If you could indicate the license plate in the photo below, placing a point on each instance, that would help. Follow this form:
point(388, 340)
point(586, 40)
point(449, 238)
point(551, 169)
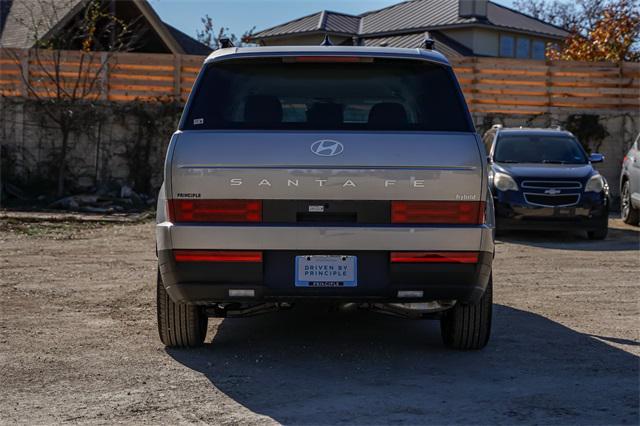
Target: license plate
point(565, 211)
point(326, 271)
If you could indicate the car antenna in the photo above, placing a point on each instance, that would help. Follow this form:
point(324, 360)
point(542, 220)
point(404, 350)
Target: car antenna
point(327, 41)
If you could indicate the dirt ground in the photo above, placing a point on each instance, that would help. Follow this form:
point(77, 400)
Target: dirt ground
point(78, 342)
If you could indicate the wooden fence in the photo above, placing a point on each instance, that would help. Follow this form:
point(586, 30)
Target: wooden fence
point(490, 85)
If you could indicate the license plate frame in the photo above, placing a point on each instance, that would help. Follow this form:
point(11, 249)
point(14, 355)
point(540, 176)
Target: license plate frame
point(326, 271)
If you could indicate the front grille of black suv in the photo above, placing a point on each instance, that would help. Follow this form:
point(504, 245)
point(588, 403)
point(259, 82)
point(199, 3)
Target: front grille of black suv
point(545, 200)
point(546, 184)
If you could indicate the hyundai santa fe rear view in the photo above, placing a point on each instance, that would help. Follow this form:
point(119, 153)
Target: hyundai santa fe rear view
point(343, 175)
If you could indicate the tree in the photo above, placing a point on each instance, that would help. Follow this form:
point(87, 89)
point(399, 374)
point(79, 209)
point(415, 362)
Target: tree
point(63, 71)
point(578, 15)
point(612, 38)
point(600, 30)
point(210, 37)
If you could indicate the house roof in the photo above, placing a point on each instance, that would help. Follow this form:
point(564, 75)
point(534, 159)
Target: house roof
point(24, 21)
point(445, 45)
point(324, 21)
point(189, 45)
point(410, 17)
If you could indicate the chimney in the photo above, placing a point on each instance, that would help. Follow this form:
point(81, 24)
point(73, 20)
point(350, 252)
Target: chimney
point(472, 8)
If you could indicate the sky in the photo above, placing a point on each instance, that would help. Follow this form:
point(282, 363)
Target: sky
point(241, 15)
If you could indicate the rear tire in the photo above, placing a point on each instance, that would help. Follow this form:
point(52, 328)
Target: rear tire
point(179, 325)
point(629, 214)
point(467, 326)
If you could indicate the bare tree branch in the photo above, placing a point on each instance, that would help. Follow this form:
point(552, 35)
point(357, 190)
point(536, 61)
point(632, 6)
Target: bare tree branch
point(64, 84)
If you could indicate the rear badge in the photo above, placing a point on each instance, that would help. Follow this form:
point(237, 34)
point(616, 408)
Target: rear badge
point(316, 209)
point(198, 121)
point(327, 148)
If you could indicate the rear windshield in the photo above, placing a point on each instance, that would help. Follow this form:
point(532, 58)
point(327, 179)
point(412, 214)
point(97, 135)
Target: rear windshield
point(377, 95)
point(538, 149)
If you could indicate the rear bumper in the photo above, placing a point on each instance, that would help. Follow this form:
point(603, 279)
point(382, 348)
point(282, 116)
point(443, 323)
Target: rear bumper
point(332, 238)
point(273, 279)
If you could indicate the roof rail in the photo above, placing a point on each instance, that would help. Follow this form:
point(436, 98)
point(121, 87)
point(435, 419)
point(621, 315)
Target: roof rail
point(226, 42)
point(428, 43)
point(327, 41)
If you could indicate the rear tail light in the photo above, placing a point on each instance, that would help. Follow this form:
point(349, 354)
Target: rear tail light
point(224, 256)
point(434, 257)
point(215, 210)
point(438, 212)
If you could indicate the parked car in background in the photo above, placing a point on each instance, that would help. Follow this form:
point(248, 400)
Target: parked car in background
point(543, 179)
point(630, 185)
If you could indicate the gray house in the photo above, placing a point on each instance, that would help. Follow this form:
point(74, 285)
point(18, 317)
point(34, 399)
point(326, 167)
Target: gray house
point(459, 28)
point(23, 22)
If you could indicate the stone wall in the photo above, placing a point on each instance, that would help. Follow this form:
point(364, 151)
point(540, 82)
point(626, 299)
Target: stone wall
point(113, 144)
point(125, 143)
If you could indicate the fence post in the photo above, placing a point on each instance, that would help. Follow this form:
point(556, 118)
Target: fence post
point(24, 69)
point(177, 77)
point(548, 83)
point(619, 107)
point(104, 78)
point(474, 82)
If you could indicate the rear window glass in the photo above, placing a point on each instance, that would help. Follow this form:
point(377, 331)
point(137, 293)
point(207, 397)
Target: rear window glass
point(539, 149)
point(273, 94)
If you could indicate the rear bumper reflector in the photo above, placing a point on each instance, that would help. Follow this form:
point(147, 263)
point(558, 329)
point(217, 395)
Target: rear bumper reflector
point(217, 256)
point(434, 257)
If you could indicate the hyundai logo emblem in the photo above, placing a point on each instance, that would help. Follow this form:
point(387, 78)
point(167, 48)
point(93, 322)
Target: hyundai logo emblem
point(327, 148)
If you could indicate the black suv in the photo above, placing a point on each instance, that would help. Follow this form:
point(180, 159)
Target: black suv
point(543, 179)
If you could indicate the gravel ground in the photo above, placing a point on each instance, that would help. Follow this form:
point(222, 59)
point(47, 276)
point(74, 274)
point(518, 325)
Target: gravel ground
point(78, 342)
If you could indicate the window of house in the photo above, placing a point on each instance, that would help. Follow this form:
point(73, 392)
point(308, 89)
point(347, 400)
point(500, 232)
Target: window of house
point(538, 49)
point(522, 48)
point(506, 46)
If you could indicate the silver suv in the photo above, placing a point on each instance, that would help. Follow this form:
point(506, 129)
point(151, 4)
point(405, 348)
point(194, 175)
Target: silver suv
point(630, 185)
point(347, 175)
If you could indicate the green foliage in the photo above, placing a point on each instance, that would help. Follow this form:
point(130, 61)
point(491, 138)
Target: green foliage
point(588, 130)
